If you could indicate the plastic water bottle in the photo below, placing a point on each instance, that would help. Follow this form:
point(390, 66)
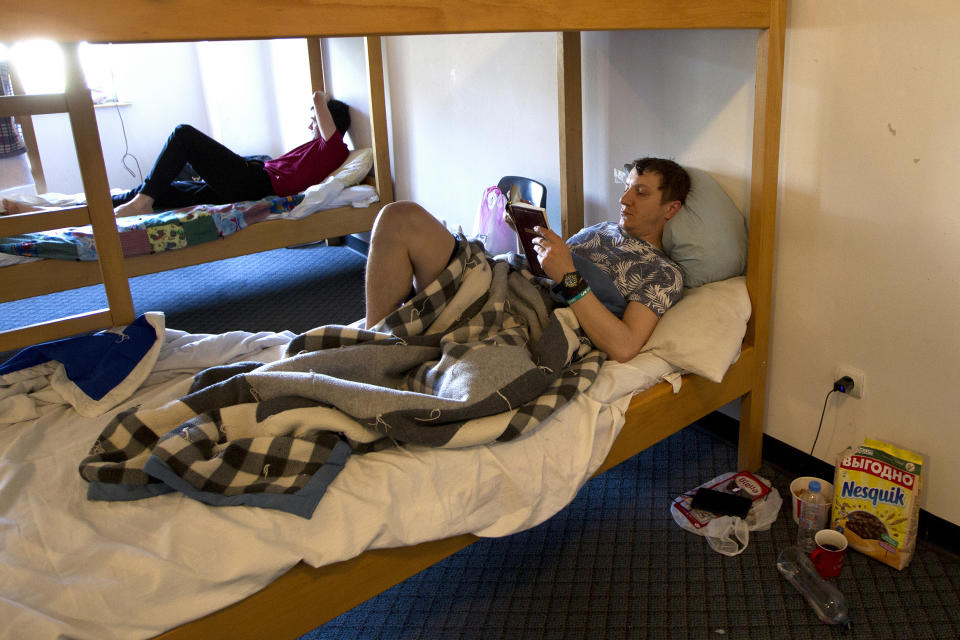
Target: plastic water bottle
point(827, 601)
point(812, 516)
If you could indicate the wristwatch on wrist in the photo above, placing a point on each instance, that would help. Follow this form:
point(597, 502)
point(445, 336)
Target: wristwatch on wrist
point(572, 284)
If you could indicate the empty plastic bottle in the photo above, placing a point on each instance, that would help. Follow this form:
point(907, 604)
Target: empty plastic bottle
point(827, 601)
point(812, 516)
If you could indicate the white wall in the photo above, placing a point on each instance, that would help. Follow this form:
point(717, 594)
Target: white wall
point(161, 82)
point(236, 77)
point(685, 95)
point(868, 232)
point(466, 110)
point(866, 257)
point(244, 94)
point(345, 78)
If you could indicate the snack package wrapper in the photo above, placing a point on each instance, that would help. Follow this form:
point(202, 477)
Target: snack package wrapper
point(730, 535)
point(876, 501)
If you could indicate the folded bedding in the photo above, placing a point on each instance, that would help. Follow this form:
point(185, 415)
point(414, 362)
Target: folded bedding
point(130, 569)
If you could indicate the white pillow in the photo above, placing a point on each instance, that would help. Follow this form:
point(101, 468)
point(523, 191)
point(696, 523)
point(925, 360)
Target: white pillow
point(355, 168)
point(703, 332)
point(324, 195)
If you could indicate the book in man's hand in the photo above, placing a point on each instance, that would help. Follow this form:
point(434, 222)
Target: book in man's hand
point(525, 217)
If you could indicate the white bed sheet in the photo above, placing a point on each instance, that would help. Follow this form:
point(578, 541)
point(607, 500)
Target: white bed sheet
point(76, 568)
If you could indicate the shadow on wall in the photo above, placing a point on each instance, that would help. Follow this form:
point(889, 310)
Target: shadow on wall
point(685, 95)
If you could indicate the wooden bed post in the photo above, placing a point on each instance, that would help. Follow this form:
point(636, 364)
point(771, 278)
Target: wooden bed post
point(93, 174)
point(570, 104)
point(763, 209)
point(29, 138)
point(378, 118)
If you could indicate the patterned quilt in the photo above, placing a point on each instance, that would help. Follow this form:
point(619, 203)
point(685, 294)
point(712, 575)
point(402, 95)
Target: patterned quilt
point(478, 356)
point(140, 235)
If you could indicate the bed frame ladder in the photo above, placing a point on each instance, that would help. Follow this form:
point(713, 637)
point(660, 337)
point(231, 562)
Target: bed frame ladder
point(98, 212)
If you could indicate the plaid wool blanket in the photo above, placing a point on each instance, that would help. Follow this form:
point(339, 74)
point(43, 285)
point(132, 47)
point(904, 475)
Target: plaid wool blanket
point(479, 356)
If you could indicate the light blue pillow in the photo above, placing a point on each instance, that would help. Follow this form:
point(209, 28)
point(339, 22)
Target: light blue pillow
point(708, 236)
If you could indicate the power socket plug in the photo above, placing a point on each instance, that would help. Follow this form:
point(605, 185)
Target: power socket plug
point(857, 376)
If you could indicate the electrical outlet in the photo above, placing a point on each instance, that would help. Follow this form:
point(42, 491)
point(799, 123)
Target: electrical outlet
point(859, 379)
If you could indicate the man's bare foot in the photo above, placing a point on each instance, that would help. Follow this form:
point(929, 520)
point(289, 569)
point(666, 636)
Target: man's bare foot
point(140, 205)
point(13, 207)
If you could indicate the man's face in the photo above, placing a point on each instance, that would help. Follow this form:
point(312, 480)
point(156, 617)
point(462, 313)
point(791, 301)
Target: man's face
point(642, 214)
point(314, 129)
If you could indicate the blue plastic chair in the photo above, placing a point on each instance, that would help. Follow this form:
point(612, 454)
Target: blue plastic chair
point(530, 190)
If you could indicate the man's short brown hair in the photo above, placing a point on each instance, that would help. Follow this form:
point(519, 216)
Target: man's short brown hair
point(674, 179)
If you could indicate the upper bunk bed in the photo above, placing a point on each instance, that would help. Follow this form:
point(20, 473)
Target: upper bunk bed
point(306, 597)
point(112, 268)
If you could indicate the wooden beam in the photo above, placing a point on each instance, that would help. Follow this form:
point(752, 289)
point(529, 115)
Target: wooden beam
point(763, 214)
point(570, 104)
point(30, 137)
point(93, 173)
point(62, 328)
point(154, 21)
point(306, 597)
point(658, 412)
point(16, 224)
point(32, 105)
point(378, 119)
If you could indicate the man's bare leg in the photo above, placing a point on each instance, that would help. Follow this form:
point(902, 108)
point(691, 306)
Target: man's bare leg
point(140, 204)
point(407, 246)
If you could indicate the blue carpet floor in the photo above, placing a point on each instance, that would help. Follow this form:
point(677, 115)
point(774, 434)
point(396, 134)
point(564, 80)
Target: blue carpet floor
point(614, 564)
point(285, 289)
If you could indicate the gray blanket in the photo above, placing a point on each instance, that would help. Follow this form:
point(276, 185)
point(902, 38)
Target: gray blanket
point(478, 356)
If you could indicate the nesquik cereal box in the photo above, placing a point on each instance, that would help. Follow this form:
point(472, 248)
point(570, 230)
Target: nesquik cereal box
point(876, 500)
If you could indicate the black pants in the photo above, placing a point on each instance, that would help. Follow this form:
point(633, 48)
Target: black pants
point(226, 176)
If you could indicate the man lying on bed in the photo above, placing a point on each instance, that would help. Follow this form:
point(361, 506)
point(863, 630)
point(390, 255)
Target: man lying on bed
point(409, 244)
point(228, 177)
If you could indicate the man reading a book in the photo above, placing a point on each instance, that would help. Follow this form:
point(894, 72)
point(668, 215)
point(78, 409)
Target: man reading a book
point(614, 275)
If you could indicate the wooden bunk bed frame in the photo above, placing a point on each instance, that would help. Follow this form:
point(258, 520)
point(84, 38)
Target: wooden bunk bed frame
point(305, 597)
point(112, 269)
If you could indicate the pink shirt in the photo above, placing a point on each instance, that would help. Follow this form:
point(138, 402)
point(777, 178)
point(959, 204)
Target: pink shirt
point(306, 165)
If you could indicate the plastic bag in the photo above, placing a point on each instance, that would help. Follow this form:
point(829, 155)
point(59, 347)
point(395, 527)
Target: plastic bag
point(730, 535)
point(489, 227)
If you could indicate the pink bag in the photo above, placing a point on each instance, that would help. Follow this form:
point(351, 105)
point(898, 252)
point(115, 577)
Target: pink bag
point(489, 227)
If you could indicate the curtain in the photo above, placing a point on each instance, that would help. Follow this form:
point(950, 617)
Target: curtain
point(11, 142)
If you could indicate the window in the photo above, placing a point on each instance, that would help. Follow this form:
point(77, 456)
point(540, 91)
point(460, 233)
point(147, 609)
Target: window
point(39, 64)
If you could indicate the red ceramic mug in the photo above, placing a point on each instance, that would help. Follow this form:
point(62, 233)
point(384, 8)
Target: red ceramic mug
point(827, 556)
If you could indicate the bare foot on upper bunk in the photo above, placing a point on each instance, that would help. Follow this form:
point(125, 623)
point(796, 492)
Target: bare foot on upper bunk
point(140, 205)
point(13, 207)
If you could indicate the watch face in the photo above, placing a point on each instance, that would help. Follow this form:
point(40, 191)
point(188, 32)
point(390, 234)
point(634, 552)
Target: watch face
point(571, 279)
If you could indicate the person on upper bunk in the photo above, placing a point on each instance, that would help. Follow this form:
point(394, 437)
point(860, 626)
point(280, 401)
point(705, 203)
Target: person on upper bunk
point(227, 177)
point(409, 244)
